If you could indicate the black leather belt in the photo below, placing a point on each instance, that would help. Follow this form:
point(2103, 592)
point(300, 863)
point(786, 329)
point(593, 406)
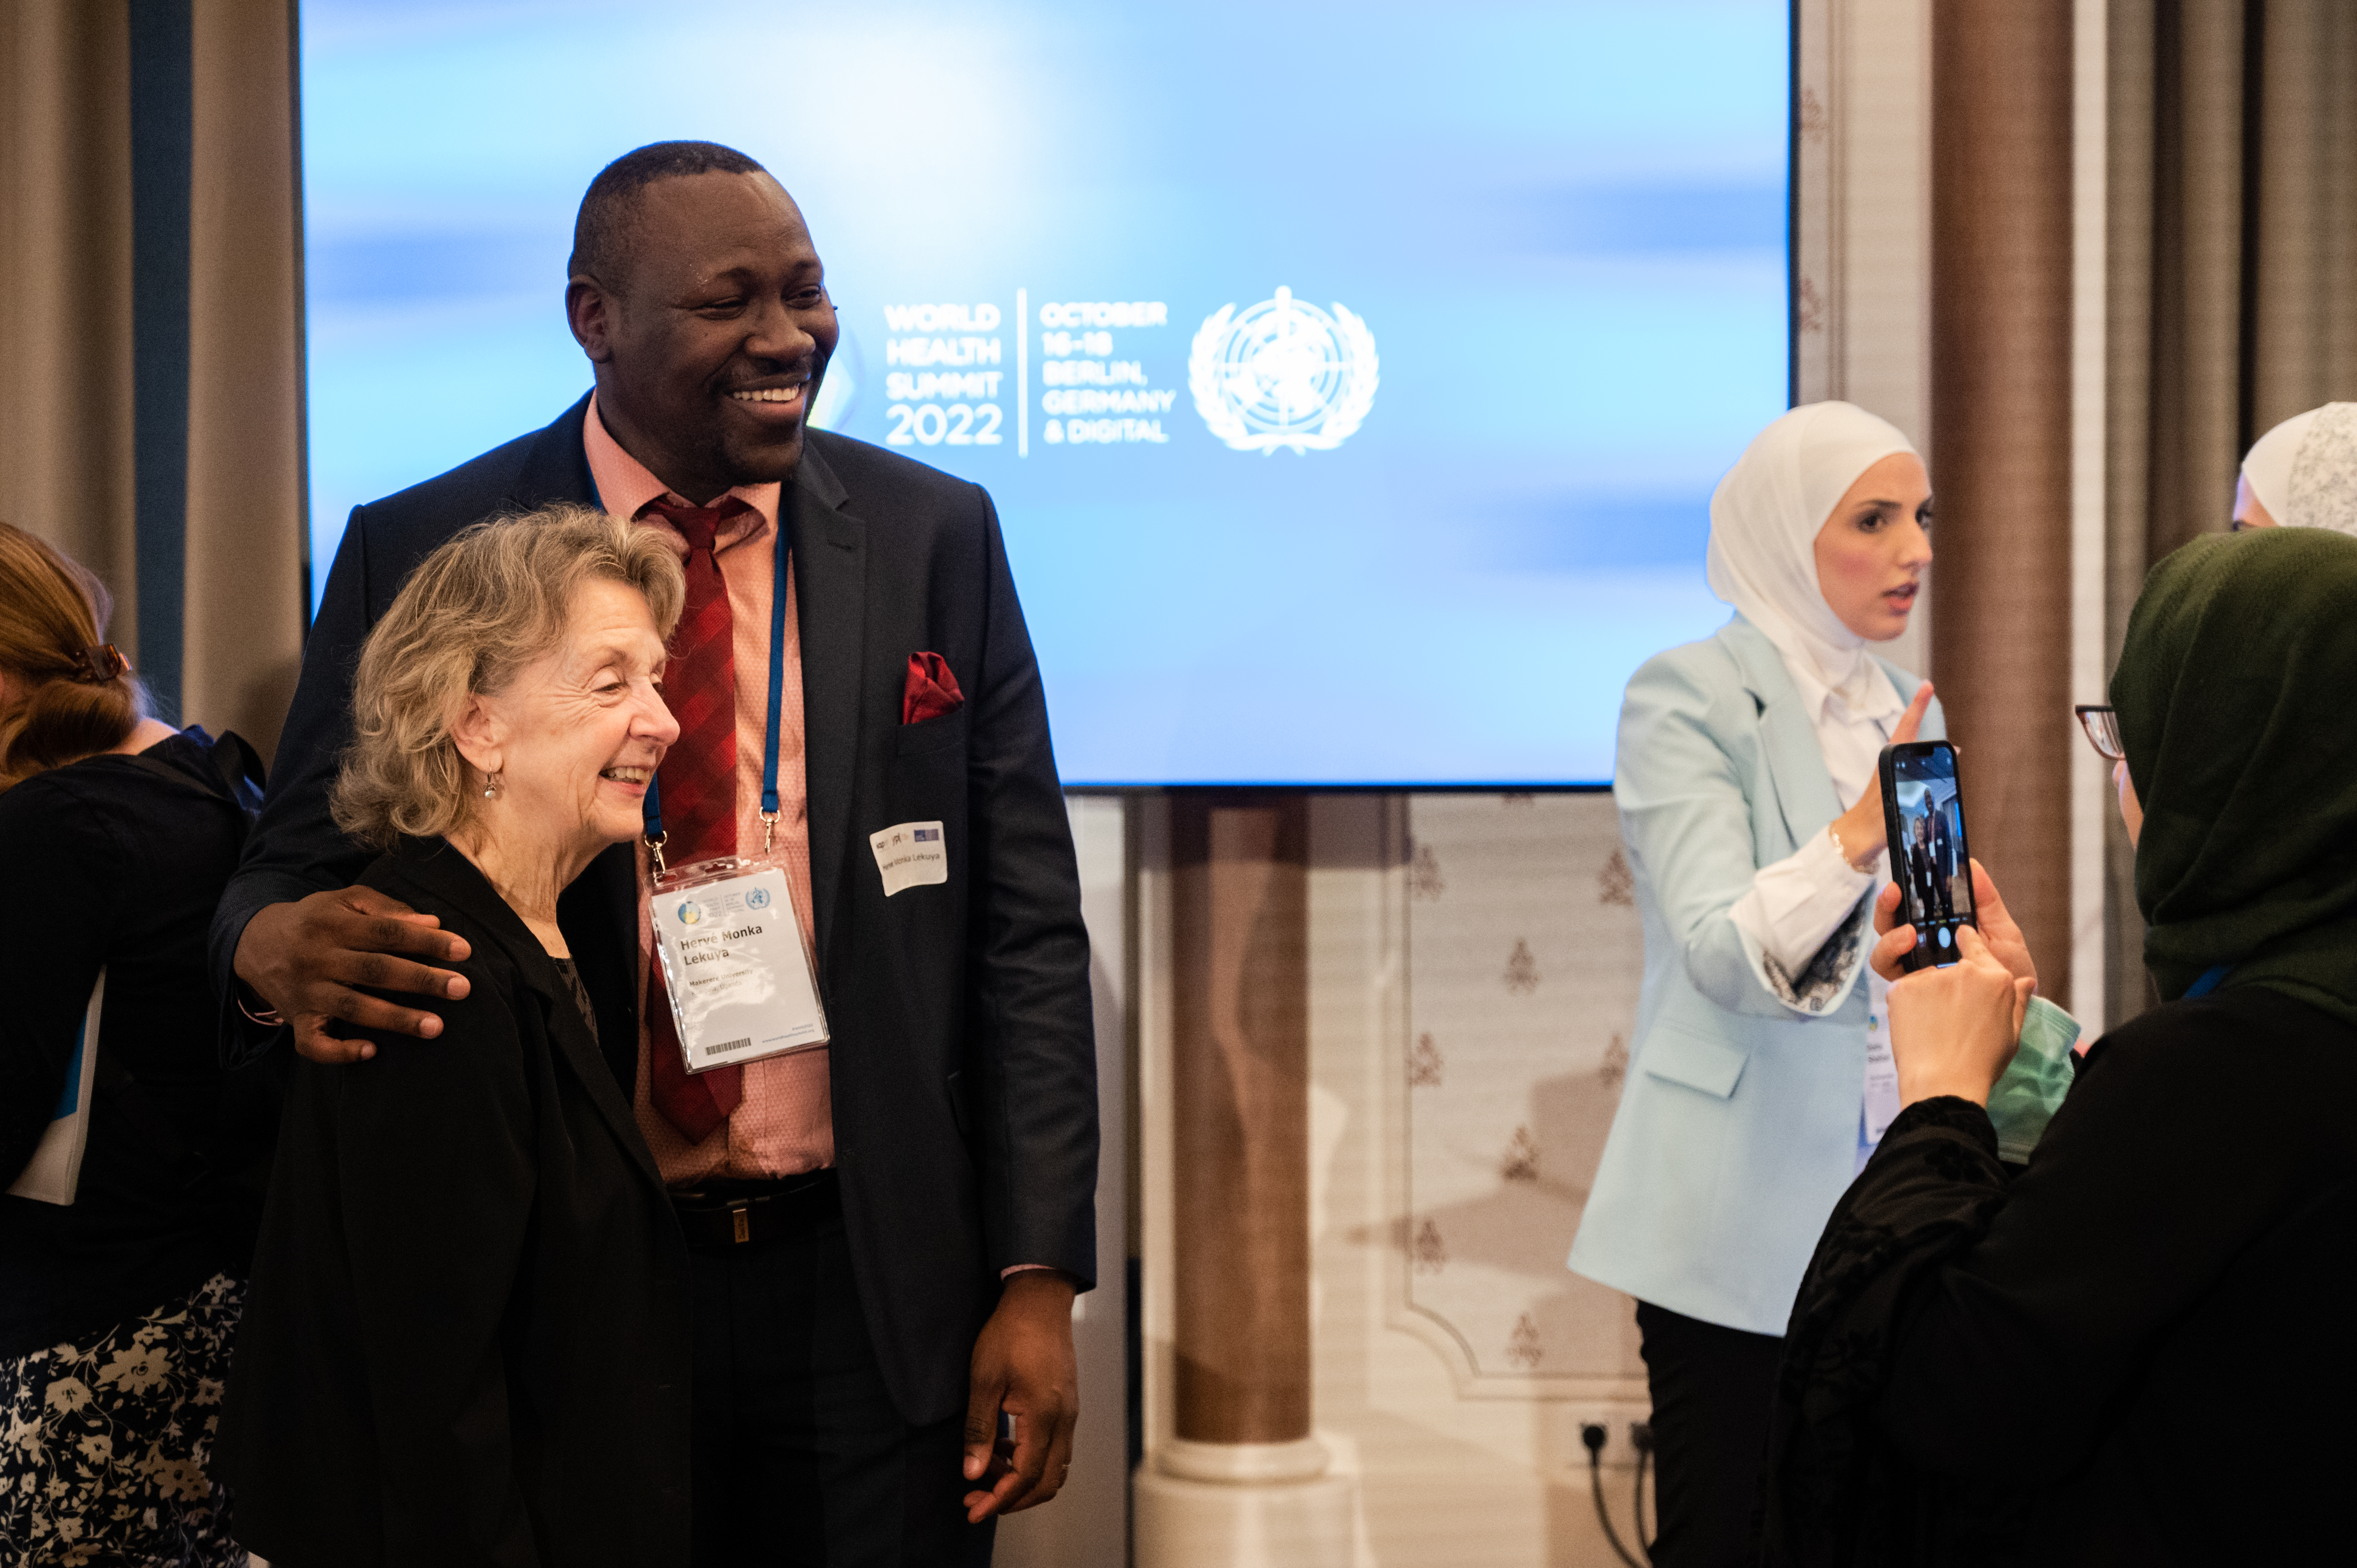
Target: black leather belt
point(726, 1214)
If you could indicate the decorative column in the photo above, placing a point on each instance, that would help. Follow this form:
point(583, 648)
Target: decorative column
point(1243, 1483)
point(2001, 324)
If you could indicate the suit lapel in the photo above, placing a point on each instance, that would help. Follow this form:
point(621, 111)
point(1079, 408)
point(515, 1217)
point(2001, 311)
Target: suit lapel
point(446, 871)
point(830, 556)
point(607, 896)
point(557, 466)
point(582, 1055)
point(1788, 739)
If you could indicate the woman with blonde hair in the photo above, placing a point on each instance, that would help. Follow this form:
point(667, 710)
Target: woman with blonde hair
point(468, 1336)
point(132, 1161)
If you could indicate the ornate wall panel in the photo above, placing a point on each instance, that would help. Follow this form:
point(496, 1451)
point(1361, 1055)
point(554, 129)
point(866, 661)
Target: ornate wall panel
point(1523, 959)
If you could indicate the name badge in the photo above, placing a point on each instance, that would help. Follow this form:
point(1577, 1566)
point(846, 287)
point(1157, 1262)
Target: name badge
point(735, 963)
point(910, 855)
point(1882, 1071)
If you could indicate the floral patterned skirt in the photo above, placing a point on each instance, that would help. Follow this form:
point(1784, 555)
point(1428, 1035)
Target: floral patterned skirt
point(103, 1446)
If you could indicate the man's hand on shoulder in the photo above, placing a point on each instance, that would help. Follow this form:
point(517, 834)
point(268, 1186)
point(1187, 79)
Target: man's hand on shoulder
point(307, 960)
point(1023, 1364)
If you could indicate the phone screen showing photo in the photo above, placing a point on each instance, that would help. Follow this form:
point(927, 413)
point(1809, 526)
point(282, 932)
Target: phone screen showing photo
point(1928, 856)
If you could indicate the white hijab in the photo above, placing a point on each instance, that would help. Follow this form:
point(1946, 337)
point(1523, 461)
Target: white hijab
point(1764, 520)
point(2304, 471)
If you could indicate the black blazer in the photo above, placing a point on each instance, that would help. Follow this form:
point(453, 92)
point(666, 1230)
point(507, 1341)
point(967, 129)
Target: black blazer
point(466, 1339)
point(116, 862)
point(963, 1058)
point(1920, 872)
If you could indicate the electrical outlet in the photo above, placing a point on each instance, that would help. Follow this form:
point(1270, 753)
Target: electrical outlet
point(1615, 1416)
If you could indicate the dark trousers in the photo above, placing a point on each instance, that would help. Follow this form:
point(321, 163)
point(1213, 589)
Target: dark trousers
point(1713, 1390)
point(800, 1457)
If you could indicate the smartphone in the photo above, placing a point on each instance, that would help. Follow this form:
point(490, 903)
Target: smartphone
point(1923, 812)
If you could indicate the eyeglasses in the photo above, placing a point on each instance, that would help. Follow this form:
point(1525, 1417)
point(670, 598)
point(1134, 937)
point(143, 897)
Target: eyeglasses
point(2103, 727)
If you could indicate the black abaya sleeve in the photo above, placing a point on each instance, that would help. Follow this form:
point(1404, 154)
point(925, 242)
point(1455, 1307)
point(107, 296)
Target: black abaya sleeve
point(1836, 1493)
point(1975, 1355)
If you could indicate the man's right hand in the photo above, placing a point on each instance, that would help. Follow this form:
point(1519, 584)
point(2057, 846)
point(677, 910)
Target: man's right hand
point(306, 960)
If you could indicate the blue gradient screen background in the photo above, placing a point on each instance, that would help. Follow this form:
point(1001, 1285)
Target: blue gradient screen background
point(1563, 225)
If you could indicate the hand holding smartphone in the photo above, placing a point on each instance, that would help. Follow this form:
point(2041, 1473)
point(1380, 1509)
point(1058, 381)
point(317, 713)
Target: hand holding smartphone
point(1923, 817)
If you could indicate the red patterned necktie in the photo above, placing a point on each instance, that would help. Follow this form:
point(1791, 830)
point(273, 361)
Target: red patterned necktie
point(698, 780)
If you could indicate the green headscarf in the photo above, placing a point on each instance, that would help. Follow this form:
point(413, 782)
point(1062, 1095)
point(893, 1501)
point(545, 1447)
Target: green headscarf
point(2237, 698)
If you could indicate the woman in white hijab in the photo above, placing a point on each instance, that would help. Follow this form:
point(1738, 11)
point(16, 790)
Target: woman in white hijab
point(1752, 818)
point(2302, 474)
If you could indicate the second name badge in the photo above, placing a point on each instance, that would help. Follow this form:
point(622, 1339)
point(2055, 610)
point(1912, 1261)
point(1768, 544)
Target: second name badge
point(734, 964)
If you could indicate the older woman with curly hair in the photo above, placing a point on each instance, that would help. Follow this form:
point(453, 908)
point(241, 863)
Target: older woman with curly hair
point(467, 1336)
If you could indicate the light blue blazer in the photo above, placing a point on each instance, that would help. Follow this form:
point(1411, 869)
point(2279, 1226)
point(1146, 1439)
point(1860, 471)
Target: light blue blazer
point(1739, 1126)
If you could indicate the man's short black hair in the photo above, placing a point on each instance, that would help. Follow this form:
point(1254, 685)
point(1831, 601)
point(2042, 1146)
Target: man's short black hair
point(601, 232)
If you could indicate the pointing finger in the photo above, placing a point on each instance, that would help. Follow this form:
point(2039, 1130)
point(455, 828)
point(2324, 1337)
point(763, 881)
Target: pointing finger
point(1911, 721)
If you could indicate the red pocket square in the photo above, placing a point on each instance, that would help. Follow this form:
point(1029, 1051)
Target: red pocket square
point(931, 690)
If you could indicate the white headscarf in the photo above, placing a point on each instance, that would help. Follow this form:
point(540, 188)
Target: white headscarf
point(2304, 471)
point(1764, 520)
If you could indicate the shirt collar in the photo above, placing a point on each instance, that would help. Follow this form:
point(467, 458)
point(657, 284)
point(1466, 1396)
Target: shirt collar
point(625, 486)
point(1869, 698)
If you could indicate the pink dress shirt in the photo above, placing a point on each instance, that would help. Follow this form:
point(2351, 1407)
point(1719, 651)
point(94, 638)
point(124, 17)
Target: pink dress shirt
point(785, 1125)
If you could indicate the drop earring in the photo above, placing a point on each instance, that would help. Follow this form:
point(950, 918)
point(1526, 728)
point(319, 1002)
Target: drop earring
point(491, 785)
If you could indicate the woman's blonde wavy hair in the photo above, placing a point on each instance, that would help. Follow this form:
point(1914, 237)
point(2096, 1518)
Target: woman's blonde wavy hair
point(490, 601)
point(52, 610)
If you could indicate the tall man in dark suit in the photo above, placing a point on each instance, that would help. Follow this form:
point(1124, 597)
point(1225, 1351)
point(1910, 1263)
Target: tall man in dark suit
point(888, 1233)
point(1944, 869)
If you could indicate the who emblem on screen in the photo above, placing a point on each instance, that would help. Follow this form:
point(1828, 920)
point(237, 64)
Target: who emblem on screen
point(1283, 373)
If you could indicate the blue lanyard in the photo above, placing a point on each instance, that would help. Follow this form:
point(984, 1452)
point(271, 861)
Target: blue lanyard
point(654, 828)
point(2211, 980)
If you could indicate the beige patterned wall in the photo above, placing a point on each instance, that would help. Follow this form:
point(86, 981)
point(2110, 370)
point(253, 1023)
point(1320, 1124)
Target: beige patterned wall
point(1455, 1356)
point(1524, 957)
point(1453, 1389)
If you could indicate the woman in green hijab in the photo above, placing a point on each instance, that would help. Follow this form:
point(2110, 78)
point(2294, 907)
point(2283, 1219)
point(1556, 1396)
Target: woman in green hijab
point(2112, 1354)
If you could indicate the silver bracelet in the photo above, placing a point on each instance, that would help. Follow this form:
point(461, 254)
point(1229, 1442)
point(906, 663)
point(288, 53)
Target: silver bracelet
point(1864, 868)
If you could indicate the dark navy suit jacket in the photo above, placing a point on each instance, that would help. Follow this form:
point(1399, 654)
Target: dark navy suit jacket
point(964, 1062)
